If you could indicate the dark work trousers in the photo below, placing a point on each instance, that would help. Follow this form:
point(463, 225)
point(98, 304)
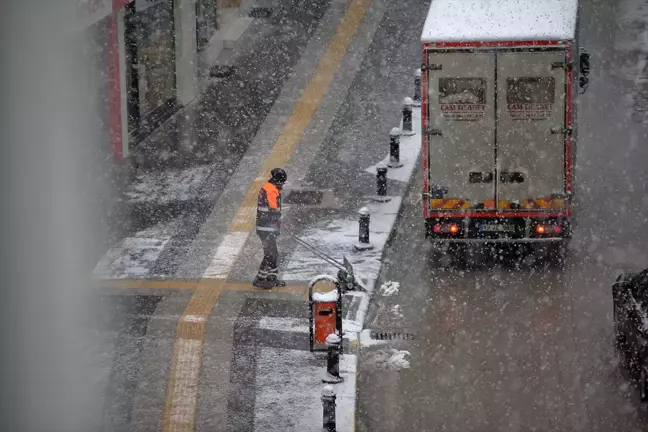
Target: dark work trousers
point(268, 269)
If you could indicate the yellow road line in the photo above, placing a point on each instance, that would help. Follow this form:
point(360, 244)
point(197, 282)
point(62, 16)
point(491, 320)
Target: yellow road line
point(182, 390)
point(180, 405)
point(304, 110)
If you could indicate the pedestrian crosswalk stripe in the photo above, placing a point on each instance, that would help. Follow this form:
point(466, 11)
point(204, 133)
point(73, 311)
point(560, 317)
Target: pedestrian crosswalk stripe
point(226, 255)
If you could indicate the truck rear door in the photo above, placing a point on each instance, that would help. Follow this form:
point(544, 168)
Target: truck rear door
point(530, 128)
point(461, 131)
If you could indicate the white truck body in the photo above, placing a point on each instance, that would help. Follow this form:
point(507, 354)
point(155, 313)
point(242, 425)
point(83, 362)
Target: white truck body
point(498, 107)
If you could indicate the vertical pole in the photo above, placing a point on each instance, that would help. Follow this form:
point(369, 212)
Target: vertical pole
point(333, 344)
point(186, 55)
point(363, 230)
point(417, 87)
point(394, 148)
point(407, 117)
point(328, 405)
point(311, 320)
point(381, 181)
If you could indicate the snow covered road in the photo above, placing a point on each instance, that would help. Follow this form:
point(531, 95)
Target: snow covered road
point(523, 347)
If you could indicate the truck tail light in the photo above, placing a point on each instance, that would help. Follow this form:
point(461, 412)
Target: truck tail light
point(446, 228)
point(548, 229)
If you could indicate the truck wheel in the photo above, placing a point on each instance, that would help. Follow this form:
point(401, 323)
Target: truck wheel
point(619, 338)
point(643, 382)
point(436, 255)
point(557, 254)
point(477, 255)
point(459, 258)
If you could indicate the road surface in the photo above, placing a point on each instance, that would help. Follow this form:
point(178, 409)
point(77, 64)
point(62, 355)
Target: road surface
point(526, 346)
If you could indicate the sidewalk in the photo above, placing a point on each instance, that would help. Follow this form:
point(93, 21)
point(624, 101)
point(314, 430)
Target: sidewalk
point(298, 386)
point(182, 168)
point(221, 355)
point(335, 161)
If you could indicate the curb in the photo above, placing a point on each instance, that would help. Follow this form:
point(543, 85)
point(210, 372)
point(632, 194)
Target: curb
point(353, 338)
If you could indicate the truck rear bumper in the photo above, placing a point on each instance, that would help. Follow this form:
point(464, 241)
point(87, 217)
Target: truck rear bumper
point(498, 230)
point(499, 240)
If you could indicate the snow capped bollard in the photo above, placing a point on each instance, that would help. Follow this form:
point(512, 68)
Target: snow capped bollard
point(394, 148)
point(328, 405)
point(363, 230)
point(381, 180)
point(417, 87)
point(381, 184)
point(407, 117)
point(332, 375)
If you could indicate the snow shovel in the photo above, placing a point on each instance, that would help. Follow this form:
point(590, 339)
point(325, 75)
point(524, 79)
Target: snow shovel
point(346, 276)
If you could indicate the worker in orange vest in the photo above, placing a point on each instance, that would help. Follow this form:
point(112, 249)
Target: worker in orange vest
point(268, 226)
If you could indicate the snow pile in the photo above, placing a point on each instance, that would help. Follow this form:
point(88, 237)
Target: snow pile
point(396, 311)
point(168, 186)
point(326, 297)
point(389, 288)
point(391, 359)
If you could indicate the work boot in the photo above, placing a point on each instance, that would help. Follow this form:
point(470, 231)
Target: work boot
point(277, 283)
point(262, 283)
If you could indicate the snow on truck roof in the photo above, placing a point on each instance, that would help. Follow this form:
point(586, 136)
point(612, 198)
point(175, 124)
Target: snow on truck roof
point(500, 20)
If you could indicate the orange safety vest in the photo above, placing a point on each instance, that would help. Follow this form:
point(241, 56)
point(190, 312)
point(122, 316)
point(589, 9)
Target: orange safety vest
point(268, 217)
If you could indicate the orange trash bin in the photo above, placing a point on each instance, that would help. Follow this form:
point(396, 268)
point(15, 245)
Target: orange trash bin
point(325, 316)
point(325, 320)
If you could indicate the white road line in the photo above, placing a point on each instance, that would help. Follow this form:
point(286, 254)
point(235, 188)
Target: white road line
point(297, 325)
point(226, 255)
point(193, 318)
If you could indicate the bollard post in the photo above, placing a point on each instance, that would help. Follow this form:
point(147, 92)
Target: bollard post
point(332, 375)
point(407, 117)
point(394, 148)
point(417, 87)
point(363, 230)
point(381, 180)
point(328, 405)
point(381, 184)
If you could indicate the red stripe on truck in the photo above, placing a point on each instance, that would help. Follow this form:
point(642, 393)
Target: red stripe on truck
point(424, 124)
point(473, 215)
point(492, 44)
point(568, 149)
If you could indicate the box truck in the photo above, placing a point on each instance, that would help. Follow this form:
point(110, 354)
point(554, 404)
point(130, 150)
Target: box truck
point(499, 85)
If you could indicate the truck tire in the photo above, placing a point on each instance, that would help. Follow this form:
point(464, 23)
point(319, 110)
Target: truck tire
point(435, 255)
point(557, 254)
point(643, 383)
point(619, 338)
